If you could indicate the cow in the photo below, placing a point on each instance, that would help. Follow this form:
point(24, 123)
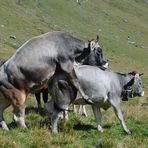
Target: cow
point(95, 58)
point(33, 64)
point(106, 89)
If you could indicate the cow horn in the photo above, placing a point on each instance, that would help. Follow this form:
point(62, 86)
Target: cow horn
point(97, 38)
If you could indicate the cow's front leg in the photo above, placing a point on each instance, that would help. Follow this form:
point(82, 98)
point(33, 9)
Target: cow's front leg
point(116, 105)
point(54, 121)
point(19, 115)
point(98, 115)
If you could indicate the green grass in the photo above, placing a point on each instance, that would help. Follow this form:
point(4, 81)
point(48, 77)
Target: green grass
point(123, 30)
point(80, 131)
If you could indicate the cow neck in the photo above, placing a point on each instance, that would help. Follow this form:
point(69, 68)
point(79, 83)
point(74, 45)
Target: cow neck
point(127, 91)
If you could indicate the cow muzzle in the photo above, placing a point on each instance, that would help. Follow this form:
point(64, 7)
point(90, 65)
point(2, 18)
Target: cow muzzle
point(106, 65)
point(142, 94)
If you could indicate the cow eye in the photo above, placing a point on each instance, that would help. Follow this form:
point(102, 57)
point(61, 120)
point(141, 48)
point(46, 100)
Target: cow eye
point(99, 50)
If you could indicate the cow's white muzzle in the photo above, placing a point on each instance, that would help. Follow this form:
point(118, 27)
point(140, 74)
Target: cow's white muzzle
point(106, 65)
point(142, 94)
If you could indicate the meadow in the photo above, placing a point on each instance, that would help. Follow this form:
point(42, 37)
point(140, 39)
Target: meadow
point(123, 30)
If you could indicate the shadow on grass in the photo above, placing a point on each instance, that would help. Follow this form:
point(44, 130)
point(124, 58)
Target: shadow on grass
point(12, 125)
point(107, 126)
point(83, 127)
point(145, 134)
point(30, 110)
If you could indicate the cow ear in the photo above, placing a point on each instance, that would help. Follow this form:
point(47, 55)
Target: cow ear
point(137, 76)
point(141, 74)
point(92, 45)
point(97, 38)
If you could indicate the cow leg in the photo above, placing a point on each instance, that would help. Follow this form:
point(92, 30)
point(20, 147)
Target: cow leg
point(54, 120)
point(45, 95)
point(117, 109)
point(76, 83)
point(68, 67)
point(82, 110)
point(38, 98)
point(18, 115)
point(19, 109)
point(3, 106)
point(65, 115)
point(74, 108)
point(54, 115)
point(98, 116)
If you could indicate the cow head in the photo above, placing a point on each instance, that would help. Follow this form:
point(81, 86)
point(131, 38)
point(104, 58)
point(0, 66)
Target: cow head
point(95, 57)
point(137, 86)
point(134, 86)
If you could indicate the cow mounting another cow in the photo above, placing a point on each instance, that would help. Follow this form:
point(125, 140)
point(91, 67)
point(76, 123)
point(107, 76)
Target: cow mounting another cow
point(33, 64)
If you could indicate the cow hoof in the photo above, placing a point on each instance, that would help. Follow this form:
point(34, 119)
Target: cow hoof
point(128, 132)
point(84, 115)
point(89, 101)
point(55, 131)
point(4, 125)
point(100, 129)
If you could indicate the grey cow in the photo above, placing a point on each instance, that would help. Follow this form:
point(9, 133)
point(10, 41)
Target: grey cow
point(106, 89)
point(33, 64)
point(95, 58)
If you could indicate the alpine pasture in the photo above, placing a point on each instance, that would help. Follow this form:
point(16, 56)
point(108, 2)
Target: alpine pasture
point(123, 30)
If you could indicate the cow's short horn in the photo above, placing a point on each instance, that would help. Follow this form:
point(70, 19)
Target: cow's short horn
point(97, 38)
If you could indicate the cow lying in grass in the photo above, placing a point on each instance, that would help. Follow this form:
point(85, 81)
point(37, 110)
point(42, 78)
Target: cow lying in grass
point(106, 89)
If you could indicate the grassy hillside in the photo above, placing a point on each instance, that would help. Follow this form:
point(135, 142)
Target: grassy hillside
point(123, 30)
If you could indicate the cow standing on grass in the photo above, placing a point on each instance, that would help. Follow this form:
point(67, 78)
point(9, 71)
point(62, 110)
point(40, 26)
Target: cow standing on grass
point(95, 58)
point(106, 89)
point(33, 64)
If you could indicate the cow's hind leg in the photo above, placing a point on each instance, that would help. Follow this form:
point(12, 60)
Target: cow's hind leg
point(3, 106)
point(98, 115)
point(82, 110)
point(68, 67)
point(116, 105)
